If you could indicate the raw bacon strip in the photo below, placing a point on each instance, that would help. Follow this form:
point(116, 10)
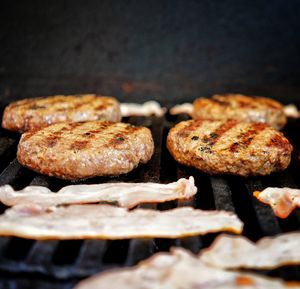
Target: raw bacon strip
point(179, 269)
point(185, 108)
point(232, 252)
point(282, 200)
point(291, 111)
point(146, 109)
point(125, 194)
point(110, 222)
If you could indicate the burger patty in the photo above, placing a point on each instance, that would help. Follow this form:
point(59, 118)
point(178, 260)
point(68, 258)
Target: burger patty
point(85, 149)
point(241, 108)
point(33, 113)
point(229, 147)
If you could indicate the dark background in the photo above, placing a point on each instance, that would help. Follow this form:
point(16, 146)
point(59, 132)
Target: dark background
point(171, 51)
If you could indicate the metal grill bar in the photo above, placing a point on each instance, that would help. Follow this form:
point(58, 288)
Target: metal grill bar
point(222, 195)
point(266, 219)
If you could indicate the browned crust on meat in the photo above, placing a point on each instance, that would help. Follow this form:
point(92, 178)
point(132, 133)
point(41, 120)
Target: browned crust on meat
point(241, 108)
point(245, 138)
point(34, 113)
point(87, 149)
point(229, 147)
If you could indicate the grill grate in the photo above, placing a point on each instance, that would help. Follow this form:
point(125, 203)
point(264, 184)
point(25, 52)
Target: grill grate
point(63, 263)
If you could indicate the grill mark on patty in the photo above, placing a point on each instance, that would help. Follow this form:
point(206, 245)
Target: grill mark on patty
point(245, 104)
point(45, 101)
point(116, 140)
point(245, 138)
point(51, 141)
point(209, 141)
point(83, 101)
point(74, 125)
point(220, 102)
point(100, 107)
point(189, 128)
point(279, 142)
point(37, 106)
point(120, 135)
point(213, 137)
point(77, 105)
point(79, 145)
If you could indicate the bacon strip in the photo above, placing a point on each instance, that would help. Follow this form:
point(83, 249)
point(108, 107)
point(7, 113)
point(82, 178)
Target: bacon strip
point(232, 252)
point(185, 108)
point(291, 111)
point(110, 222)
point(282, 200)
point(146, 109)
point(179, 269)
point(125, 194)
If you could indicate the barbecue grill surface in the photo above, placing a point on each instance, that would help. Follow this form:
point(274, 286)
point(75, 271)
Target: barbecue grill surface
point(61, 264)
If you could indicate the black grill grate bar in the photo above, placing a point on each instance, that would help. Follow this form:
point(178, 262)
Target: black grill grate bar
point(244, 209)
point(10, 172)
point(193, 244)
point(205, 197)
point(91, 255)
point(286, 180)
point(267, 221)
point(153, 168)
point(46, 247)
point(7, 143)
point(8, 147)
point(222, 194)
point(40, 181)
point(143, 248)
point(139, 249)
point(3, 245)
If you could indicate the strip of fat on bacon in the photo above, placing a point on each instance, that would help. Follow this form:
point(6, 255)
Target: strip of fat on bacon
point(185, 108)
point(282, 200)
point(146, 109)
point(176, 270)
point(110, 222)
point(124, 194)
point(232, 252)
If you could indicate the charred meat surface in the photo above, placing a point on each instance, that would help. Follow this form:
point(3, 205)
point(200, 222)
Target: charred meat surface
point(85, 149)
point(229, 147)
point(241, 108)
point(33, 113)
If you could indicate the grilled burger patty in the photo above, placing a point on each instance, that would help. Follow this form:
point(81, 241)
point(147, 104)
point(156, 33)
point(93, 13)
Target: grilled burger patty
point(85, 149)
point(28, 114)
point(240, 107)
point(229, 147)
